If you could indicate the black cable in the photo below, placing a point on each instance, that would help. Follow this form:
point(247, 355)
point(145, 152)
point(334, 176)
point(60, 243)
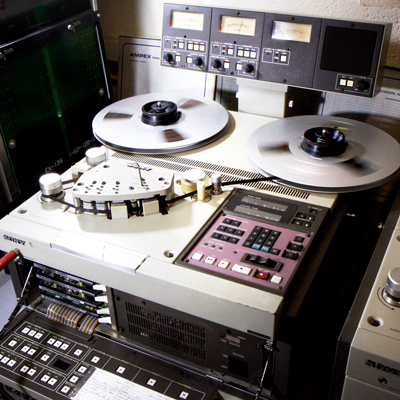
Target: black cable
point(89, 210)
point(238, 182)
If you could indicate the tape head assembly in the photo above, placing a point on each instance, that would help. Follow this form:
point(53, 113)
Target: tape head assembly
point(324, 153)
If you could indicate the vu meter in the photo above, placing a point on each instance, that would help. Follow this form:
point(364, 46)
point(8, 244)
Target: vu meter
point(289, 49)
point(235, 42)
point(185, 39)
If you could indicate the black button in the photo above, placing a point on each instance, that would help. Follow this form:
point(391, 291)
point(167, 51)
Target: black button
point(248, 243)
point(215, 235)
point(275, 251)
point(298, 239)
point(233, 240)
point(294, 246)
point(225, 238)
point(221, 228)
point(290, 255)
point(236, 223)
point(230, 230)
point(239, 232)
point(227, 221)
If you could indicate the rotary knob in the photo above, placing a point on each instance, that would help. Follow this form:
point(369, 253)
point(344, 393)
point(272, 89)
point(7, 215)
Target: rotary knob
point(169, 58)
point(391, 292)
point(249, 69)
point(216, 64)
point(198, 61)
point(51, 185)
point(363, 85)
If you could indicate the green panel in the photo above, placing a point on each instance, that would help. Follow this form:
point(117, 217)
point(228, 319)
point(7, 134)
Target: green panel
point(48, 99)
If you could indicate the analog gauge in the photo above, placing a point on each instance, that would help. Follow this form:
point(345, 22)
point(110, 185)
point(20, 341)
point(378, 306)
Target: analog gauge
point(238, 25)
point(187, 20)
point(291, 31)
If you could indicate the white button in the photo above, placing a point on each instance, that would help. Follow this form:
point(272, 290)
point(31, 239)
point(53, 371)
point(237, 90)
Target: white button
point(1, 356)
point(190, 46)
point(95, 359)
point(64, 346)
point(239, 67)
point(151, 382)
point(65, 389)
point(226, 65)
point(52, 381)
point(45, 357)
point(11, 363)
point(178, 59)
point(120, 370)
point(74, 379)
point(283, 58)
point(343, 82)
point(196, 47)
point(197, 256)
point(181, 45)
point(32, 333)
point(241, 269)
point(57, 344)
point(253, 54)
point(24, 369)
point(5, 360)
point(276, 279)
point(12, 343)
point(240, 53)
point(25, 349)
point(38, 335)
point(202, 48)
point(45, 378)
point(189, 60)
point(32, 372)
point(210, 260)
point(247, 54)
point(77, 352)
point(230, 52)
point(25, 331)
point(183, 395)
point(82, 369)
point(350, 83)
point(51, 341)
point(223, 264)
point(31, 352)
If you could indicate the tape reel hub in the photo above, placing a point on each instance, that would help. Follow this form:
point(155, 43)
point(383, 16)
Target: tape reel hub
point(324, 142)
point(160, 112)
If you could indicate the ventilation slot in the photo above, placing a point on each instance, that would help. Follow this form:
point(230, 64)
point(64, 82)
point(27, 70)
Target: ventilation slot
point(180, 164)
point(167, 331)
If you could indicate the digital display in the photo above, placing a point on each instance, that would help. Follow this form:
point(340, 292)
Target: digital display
point(237, 25)
point(264, 203)
point(291, 31)
point(348, 51)
point(187, 20)
point(258, 213)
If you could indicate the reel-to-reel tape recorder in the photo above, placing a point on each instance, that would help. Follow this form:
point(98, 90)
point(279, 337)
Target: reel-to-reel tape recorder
point(202, 280)
point(177, 260)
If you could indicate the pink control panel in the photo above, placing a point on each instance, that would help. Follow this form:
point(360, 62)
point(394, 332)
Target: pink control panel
point(263, 250)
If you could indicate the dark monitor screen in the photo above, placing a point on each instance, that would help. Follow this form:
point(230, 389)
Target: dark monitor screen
point(348, 51)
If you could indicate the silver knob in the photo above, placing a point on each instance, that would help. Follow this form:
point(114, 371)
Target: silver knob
point(216, 183)
point(96, 155)
point(51, 185)
point(391, 292)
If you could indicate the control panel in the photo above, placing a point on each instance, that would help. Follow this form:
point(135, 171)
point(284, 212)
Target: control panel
point(317, 53)
point(48, 360)
point(235, 46)
point(186, 32)
point(255, 239)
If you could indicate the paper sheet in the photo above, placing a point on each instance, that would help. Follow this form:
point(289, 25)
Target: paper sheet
point(103, 385)
point(140, 72)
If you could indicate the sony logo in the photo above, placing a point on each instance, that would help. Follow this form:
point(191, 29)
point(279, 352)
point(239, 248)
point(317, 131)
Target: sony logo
point(139, 55)
point(382, 367)
point(12, 239)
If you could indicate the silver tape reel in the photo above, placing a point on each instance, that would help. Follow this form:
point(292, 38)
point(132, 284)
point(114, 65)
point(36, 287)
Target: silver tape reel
point(319, 161)
point(158, 123)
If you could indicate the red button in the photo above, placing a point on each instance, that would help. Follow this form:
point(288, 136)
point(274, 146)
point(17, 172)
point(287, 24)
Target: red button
point(262, 275)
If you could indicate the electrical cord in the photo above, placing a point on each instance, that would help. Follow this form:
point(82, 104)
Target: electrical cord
point(238, 182)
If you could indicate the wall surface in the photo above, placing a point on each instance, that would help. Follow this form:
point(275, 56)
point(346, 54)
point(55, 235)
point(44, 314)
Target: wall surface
point(143, 18)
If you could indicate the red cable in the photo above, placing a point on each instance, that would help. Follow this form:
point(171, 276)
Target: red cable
point(10, 256)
